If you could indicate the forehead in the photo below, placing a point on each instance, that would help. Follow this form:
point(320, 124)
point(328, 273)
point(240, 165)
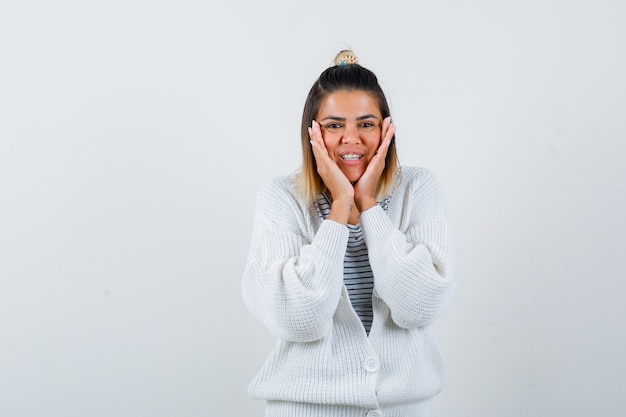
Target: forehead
point(349, 104)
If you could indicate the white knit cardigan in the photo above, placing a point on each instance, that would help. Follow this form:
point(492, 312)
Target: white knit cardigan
point(324, 363)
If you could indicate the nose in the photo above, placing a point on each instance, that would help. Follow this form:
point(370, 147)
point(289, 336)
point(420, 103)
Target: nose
point(350, 135)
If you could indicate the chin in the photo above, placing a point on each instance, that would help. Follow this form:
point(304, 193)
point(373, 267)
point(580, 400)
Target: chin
point(353, 175)
point(354, 178)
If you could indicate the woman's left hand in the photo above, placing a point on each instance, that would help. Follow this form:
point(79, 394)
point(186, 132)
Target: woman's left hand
point(365, 187)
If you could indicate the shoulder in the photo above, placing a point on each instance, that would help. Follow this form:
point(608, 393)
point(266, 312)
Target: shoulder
point(414, 178)
point(279, 198)
point(418, 190)
point(280, 189)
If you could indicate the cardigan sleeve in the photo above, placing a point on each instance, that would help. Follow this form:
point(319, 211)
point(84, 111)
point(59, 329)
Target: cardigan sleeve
point(292, 283)
point(413, 268)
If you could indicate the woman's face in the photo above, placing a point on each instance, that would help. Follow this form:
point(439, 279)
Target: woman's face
point(351, 125)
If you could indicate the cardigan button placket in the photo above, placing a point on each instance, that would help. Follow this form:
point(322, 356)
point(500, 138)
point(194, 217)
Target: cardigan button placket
point(371, 364)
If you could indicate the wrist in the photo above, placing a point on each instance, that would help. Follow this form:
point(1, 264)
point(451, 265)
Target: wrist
point(340, 210)
point(365, 203)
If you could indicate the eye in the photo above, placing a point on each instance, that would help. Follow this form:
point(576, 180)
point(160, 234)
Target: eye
point(332, 126)
point(367, 125)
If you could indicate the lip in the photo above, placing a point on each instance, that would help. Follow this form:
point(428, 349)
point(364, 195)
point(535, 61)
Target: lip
point(351, 152)
point(351, 161)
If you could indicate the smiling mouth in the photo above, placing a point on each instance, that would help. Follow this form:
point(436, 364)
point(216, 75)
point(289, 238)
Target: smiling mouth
point(351, 157)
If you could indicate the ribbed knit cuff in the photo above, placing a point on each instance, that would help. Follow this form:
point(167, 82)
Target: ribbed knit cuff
point(376, 224)
point(294, 409)
point(332, 239)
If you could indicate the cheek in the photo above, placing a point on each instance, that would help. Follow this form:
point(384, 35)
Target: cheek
point(373, 142)
point(329, 142)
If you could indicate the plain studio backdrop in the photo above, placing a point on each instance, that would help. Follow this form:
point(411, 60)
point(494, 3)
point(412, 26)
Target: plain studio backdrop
point(135, 134)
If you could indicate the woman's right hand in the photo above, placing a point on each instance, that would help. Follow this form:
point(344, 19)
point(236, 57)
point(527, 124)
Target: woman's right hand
point(341, 190)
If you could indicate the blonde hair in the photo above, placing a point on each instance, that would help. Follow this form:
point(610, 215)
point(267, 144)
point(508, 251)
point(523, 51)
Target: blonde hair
point(345, 74)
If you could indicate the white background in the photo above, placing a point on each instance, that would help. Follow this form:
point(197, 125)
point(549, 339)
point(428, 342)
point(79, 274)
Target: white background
point(134, 135)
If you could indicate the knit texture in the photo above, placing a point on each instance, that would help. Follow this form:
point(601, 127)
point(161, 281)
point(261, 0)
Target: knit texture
point(293, 283)
point(357, 272)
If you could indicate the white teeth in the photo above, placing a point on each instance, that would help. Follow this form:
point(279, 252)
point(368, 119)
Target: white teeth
point(351, 157)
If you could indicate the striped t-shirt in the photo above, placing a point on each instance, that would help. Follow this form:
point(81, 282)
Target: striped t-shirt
point(357, 272)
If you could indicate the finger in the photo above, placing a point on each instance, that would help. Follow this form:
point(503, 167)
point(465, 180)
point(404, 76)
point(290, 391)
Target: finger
point(314, 140)
point(318, 153)
point(317, 141)
point(391, 131)
point(316, 133)
point(386, 124)
point(385, 127)
point(388, 136)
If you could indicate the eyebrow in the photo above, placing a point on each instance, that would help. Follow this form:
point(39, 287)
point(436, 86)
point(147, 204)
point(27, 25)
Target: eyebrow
point(343, 119)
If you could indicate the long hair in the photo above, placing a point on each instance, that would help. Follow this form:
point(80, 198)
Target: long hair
point(350, 77)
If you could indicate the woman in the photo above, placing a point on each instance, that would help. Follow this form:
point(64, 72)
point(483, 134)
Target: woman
point(350, 264)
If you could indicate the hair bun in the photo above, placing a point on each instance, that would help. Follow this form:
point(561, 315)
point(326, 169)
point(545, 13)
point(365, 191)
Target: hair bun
point(345, 57)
